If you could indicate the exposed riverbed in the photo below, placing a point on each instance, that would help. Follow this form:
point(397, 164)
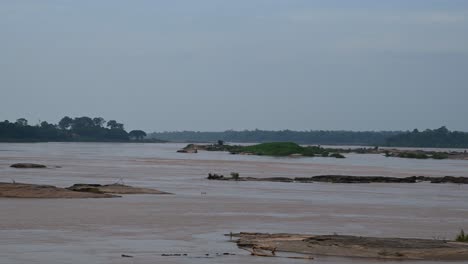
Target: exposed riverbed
point(194, 220)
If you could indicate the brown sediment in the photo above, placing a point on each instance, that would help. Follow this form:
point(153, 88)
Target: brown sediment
point(23, 190)
point(347, 179)
point(354, 246)
point(114, 189)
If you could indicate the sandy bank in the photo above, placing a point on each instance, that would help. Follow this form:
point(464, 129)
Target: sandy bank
point(23, 190)
point(353, 246)
point(114, 189)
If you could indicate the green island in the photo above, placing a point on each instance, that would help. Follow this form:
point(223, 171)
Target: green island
point(278, 149)
point(290, 149)
point(79, 129)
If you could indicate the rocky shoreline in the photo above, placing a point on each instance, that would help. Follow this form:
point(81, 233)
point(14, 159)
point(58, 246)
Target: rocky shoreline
point(274, 245)
point(346, 179)
point(24, 190)
point(387, 152)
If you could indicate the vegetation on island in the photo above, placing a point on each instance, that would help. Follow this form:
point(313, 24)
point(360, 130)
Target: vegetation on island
point(291, 149)
point(285, 149)
point(436, 138)
point(419, 155)
point(462, 237)
point(277, 149)
point(82, 129)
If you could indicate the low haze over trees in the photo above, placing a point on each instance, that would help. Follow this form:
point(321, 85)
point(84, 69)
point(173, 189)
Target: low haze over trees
point(436, 138)
point(440, 137)
point(68, 129)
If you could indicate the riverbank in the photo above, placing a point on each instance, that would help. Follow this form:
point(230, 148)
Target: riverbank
point(262, 244)
point(24, 190)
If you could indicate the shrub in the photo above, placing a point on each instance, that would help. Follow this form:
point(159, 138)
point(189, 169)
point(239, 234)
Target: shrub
point(462, 237)
point(413, 155)
point(440, 155)
point(337, 155)
point(235, 175)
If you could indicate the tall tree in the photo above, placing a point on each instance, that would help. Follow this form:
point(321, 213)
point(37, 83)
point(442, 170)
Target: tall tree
point(65, 123)
point(22, 122)
point(99, 121)
point(82, 122)
point(112, 124)
point(137, 134)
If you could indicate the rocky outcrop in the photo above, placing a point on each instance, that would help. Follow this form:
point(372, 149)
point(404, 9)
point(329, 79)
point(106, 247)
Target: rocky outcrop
point(113, 189)
point(356, 179)
point(22, 190)
point(347, 179)
point(352, 246)
point(187, 151)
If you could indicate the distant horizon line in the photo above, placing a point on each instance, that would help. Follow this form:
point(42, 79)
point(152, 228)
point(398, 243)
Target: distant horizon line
point(309, 130)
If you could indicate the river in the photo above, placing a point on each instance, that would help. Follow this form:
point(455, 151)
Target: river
point(195, 219)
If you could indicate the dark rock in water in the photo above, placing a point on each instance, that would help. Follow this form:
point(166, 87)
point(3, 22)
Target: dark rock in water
point(187, 151)
point(277, 179)
point(113, 188)
point(449, 179)
point(126, 256)
point(347, 179)
point(216, 177)
point(28, 166)
point(357, 179)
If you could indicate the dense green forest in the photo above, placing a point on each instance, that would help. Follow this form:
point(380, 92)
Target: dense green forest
point(97, 129)
point(300, 137)
point(436, 138)
point(68, 129)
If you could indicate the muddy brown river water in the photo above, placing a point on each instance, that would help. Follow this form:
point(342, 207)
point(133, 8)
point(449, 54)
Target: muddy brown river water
point(194, 220)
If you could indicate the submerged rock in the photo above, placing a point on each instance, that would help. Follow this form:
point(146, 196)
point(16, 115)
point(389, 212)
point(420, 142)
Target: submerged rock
point(347, 179)
point(28, 166)
point(113, 188)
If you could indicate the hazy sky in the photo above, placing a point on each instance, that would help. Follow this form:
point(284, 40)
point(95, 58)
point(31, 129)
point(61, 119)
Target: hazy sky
point(237, 64)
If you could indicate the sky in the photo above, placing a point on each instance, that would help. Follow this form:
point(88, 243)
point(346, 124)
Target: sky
point(213, 65)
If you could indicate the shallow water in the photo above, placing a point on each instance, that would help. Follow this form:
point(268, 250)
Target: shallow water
point(146, 226)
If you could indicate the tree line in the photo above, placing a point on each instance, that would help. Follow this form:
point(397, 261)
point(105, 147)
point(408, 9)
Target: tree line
point(263, 136)
point(436, 138)
point(83, 128)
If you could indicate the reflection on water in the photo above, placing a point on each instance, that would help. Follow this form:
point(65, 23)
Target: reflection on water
point(145, 226)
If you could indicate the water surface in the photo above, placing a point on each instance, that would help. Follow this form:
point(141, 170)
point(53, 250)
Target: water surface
point(194, 220)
